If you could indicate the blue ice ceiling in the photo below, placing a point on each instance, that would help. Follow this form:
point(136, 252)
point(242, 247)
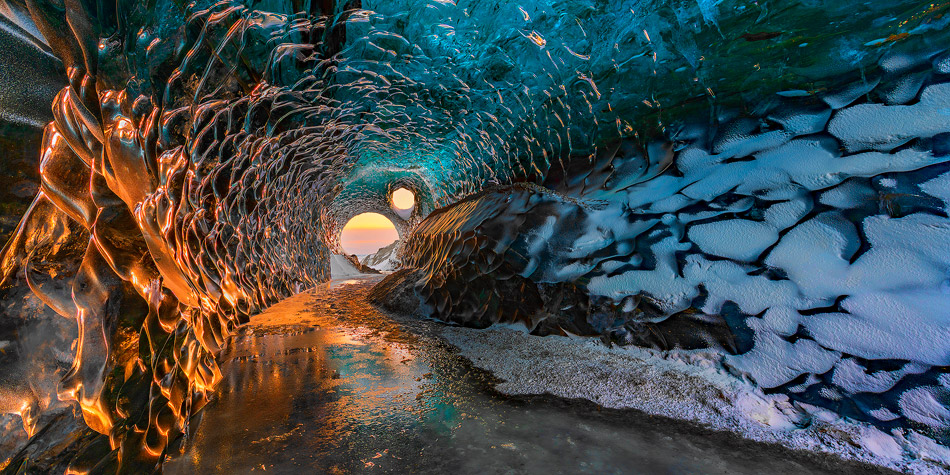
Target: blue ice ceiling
point(765, 179)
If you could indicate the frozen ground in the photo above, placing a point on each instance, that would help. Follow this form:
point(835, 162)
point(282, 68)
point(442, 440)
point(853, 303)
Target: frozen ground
point(691, 386)
point(325, 382)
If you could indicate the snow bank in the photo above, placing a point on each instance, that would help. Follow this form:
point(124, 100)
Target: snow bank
point(694, 386)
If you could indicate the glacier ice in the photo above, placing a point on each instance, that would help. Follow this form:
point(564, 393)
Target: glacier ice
point(692, 175)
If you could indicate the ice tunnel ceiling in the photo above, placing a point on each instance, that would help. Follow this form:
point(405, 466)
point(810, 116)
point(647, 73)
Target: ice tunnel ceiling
point(681, 174)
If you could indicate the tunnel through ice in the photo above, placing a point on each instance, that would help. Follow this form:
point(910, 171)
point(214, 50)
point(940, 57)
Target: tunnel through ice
point(677, 176)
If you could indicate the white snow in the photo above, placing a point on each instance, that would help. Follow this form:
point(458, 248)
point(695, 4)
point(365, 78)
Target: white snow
point(939, 188)
point(737, 239)
point(848, 195)
point(802, 123)
point(386, 259)
point(694, 386)
point(921, 405)
point(876, 321)
point(341, 267)
point(775, 361)
point(895, 292)
point(852, 377)
point(883, 127)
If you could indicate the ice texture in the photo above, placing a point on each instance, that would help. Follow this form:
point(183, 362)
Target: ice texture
point(689, 175)
point(812, 267)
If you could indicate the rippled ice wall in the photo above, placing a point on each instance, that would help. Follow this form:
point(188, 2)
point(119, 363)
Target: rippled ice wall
point(685, 174)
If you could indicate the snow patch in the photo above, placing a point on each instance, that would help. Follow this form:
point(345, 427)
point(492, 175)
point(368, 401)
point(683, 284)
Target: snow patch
point(695, 386)
point(341, 267)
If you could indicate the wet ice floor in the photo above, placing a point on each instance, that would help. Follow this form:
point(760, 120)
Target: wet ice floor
point(324, 382)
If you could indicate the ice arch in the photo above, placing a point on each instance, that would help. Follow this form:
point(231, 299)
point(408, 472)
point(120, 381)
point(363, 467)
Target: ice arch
point(669, 175)
point(372, 192)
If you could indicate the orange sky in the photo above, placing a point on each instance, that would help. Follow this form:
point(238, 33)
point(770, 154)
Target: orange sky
point(366, 233)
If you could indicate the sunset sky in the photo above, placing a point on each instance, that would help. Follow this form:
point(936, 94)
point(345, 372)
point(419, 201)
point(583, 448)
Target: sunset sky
point(366, 233)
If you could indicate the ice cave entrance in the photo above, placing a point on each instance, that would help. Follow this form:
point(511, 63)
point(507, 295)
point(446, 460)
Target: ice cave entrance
point(366, 233)
point(403, 201)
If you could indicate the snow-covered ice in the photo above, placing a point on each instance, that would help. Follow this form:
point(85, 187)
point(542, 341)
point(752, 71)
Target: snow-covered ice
point(695, 386)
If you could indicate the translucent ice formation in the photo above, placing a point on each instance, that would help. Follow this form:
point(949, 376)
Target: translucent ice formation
point(762, 177)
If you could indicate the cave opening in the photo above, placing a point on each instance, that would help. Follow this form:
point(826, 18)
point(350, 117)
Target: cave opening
point(366, 233)
point(403, 200)
point(696, 180)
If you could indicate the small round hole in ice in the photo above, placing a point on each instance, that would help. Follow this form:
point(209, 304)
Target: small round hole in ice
point(403, 199)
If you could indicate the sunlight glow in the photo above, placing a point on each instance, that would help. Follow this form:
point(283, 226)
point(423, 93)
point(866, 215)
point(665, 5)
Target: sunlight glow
point(404, 199)
point(366, 233)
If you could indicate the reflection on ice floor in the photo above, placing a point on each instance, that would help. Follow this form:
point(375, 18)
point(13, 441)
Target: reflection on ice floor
point(325, 382)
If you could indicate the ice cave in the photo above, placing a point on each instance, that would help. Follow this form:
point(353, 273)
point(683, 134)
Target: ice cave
point(626, 236)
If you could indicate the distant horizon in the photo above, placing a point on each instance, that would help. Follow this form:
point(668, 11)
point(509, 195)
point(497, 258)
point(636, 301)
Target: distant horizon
point(367, 233)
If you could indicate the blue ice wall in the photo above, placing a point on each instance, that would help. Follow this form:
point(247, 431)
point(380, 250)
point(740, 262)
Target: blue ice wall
point(764, 178)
